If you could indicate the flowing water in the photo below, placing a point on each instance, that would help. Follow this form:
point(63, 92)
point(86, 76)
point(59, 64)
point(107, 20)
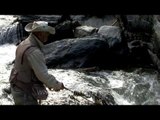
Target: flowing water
point(138, 86)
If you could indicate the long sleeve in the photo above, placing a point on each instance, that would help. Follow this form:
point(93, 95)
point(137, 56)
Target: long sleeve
point(37, 62)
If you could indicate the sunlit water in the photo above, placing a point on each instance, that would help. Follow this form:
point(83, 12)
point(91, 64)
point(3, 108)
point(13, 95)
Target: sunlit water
point(138, 87)
point(7, 54)
point(6, 20)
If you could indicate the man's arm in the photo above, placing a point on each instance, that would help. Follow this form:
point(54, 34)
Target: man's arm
point(37, 63)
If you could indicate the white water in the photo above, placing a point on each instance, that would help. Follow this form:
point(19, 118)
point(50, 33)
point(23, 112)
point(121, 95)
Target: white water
point(5, 21)
point(7, 55)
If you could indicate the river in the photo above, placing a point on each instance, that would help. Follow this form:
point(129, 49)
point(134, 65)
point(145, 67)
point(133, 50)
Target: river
point(138, 86)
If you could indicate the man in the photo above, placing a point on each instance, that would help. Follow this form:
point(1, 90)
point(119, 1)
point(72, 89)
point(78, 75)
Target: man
point(30, 67)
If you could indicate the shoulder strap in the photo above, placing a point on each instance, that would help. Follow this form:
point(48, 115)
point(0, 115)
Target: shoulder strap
point(24, 53)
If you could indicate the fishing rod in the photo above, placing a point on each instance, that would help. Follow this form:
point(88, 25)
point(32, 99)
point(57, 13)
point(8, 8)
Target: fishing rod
point(76, 93)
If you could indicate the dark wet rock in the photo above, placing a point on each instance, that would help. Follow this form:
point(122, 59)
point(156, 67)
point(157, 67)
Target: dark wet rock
point(155, 59)
point(137, 27)
point(141, 93)
point(156, 36)
point(102, 98)
point(97, 20)
point(138, 51)
point(83, 31)
point(64, 30)
point(143, 23)
point(140, 31)
point(137, 23)
point(118, 48)
point(112, 35)
point(75, 53)
point(110, 32)
point(102, 50)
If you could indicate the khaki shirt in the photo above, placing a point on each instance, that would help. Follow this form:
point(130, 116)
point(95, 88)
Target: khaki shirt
point(37, 61)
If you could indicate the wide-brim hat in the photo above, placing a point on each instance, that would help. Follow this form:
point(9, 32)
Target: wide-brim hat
point(39, 26)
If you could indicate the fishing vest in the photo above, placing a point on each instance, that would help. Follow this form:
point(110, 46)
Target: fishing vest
point(22, 71)
point(22, 74)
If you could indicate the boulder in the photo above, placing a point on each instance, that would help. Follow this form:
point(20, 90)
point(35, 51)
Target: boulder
point(76, 53)
point(82, 31)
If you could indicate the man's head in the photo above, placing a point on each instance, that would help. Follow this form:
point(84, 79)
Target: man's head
point(40, 29)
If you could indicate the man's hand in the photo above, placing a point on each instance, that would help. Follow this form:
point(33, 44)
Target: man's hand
point(60, 87)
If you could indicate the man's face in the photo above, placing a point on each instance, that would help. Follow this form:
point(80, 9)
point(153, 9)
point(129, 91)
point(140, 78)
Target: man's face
point(44, 36)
